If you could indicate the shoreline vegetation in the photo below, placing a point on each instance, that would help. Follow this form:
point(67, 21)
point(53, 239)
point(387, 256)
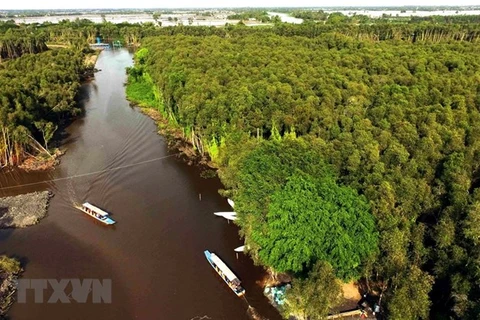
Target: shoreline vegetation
point(174, 136)
point(48, 159)
point(10, 271)
point(39, 96)
point(19, 211)
point(141, 93)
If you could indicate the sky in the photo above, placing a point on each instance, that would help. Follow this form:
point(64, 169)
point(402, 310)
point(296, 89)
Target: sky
point(95, 4)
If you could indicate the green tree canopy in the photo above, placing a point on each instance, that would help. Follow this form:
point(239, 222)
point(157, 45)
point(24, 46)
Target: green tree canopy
point(312, 219)
point(302, 214)
point(313, 297)
point(411, 300)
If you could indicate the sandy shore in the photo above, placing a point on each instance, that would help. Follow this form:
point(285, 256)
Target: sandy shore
point(23, 210)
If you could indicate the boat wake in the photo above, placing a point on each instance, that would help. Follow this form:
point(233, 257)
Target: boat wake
point(252, 313)
point(72, 195)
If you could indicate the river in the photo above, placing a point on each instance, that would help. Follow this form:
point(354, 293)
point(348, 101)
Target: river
point(154, 254)
point(285, 17)
point(218, 19)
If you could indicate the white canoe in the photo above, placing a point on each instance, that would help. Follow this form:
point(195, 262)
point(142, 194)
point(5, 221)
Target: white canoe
point(230, 217)
point(225, 213)
point(231, 203)
point(240, 249)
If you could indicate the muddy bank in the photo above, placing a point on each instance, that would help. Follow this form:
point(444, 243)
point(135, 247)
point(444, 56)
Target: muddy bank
point(42, 162)
point(9, 272)
point(23, 210)
point(89, 64)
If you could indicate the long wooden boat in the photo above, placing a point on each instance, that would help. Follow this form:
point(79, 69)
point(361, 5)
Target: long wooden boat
point(97, 213)
point(225, 273)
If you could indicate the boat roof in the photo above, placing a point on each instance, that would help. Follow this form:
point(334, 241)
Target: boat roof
point(96, 209)
point(223, 267)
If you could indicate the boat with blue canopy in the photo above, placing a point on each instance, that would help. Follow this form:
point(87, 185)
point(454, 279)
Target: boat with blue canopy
point(97, 213)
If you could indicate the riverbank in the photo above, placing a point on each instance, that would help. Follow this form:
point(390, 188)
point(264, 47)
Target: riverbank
point(89, 65)
point(43, 132)
point(141, 93)
point(89, 60)
point(176, 139)
point(23, 210)
point(10, 270)
point(41, 162)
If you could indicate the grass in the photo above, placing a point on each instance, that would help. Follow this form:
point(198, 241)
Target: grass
point(141, 92)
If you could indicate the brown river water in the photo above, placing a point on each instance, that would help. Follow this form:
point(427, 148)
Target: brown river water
point(154, 254)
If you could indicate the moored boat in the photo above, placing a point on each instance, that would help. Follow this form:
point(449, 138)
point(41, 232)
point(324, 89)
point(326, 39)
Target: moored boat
point(240, 249)
point(231, 203)
point(225, 273)
point(97, 213)
point(229, 215)
point(225, 213)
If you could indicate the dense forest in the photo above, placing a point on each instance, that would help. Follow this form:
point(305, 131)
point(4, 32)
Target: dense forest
point(14, 44)
point(259, 15)
point(356, 18)
point(80, 32)
point(351, 152)
point(39, 86)
point(37, 92)
point(350, 149)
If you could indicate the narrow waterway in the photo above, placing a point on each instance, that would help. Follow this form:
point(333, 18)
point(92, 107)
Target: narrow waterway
point(154, 254)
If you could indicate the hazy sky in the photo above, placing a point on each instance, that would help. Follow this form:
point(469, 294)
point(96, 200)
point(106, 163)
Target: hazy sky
point(69, 4)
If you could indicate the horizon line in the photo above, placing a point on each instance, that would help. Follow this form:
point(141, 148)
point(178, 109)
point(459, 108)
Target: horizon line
point(254, 7)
